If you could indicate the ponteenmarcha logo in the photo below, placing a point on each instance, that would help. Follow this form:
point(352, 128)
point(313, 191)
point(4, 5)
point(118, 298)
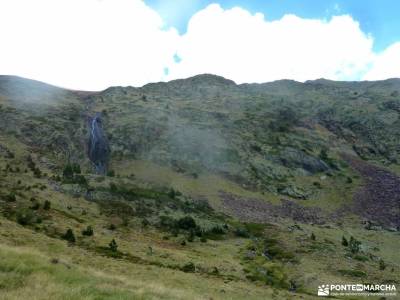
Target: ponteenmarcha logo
point(357, 289)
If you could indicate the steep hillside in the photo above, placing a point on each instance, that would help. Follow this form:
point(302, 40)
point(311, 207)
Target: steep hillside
point(208, 189)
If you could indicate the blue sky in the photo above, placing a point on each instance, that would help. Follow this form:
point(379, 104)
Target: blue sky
point(380, 18)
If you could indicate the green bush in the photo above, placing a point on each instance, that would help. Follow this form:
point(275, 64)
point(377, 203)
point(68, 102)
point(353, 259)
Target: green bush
point(145, 222)
point(72, 174)
point(382, 265)
point(172, 193)
point(76, 168)
point(275, 250)
point(166, 222)
point(215, 233)
point(88, 231)
point(362, 258)
point(26, 217)
point(191, 236)
point(255, 229)
point(69, 236)
point(352, 273)
point(272, 275)
point(35, 205)
point(186, 223)
point(46, 205)
point(113, 246)
point(189, 268)
point(113, 187)
point(68, 172)
point(11, 197)
point(80, 179)
point(354, 245)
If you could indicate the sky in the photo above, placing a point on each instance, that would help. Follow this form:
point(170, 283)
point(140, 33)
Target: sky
point(94, 44)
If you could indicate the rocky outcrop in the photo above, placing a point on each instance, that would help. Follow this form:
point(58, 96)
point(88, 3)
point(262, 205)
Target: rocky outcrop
point(98, 148)
point(293, 158)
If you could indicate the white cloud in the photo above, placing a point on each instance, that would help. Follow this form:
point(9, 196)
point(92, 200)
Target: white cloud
point(87, 44)
point(386, 65)
point(248, 48)
point(93, 44)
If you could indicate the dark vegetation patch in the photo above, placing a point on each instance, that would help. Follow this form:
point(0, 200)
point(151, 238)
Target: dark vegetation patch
point(266, 255)
point(352, 273)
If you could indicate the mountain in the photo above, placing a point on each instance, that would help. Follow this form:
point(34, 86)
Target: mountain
point(233, 190)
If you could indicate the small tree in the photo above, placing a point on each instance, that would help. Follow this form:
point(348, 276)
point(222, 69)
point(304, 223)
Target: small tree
point(354, 245)
point(11, 197)
point(145, 222)
point(35, 205)
point(172, 193)
point(186, 223)
point(113, 246)
point(189, 268)
point(76, 168)
point(68, 172)
point(46, 205)
point(69, 236)
point(382, 265)
point(344, 241)
point(111, 173)
point(113, 187)
point(323, 154)
point(80, 179)
point(191, 236)
point(37, 173)
point(88, 231)
point(25, 217)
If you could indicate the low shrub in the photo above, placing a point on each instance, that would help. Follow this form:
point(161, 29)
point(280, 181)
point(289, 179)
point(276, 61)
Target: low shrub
point(69, 236)
point(352, 273)
point(46, 205)
point(88, 231)
point(189, 268)
point(113, 246)
point(26, 217)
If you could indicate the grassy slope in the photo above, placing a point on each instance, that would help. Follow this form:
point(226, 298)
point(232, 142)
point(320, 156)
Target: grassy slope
point(84, 272)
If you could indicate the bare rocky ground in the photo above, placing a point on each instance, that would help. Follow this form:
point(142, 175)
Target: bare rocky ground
point(258, 211)
point(378, 200)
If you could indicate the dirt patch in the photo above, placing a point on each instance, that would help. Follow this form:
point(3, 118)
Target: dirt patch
point(259, 211)
point(378, 200)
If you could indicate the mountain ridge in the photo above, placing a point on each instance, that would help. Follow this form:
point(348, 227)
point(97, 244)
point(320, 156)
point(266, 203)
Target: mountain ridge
point(208, 76)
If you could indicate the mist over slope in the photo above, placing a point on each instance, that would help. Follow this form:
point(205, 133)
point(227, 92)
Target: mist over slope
point(197, 168)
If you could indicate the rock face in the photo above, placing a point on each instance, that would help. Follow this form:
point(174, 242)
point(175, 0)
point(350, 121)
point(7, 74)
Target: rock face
point(98, 148)
point(293, 158)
